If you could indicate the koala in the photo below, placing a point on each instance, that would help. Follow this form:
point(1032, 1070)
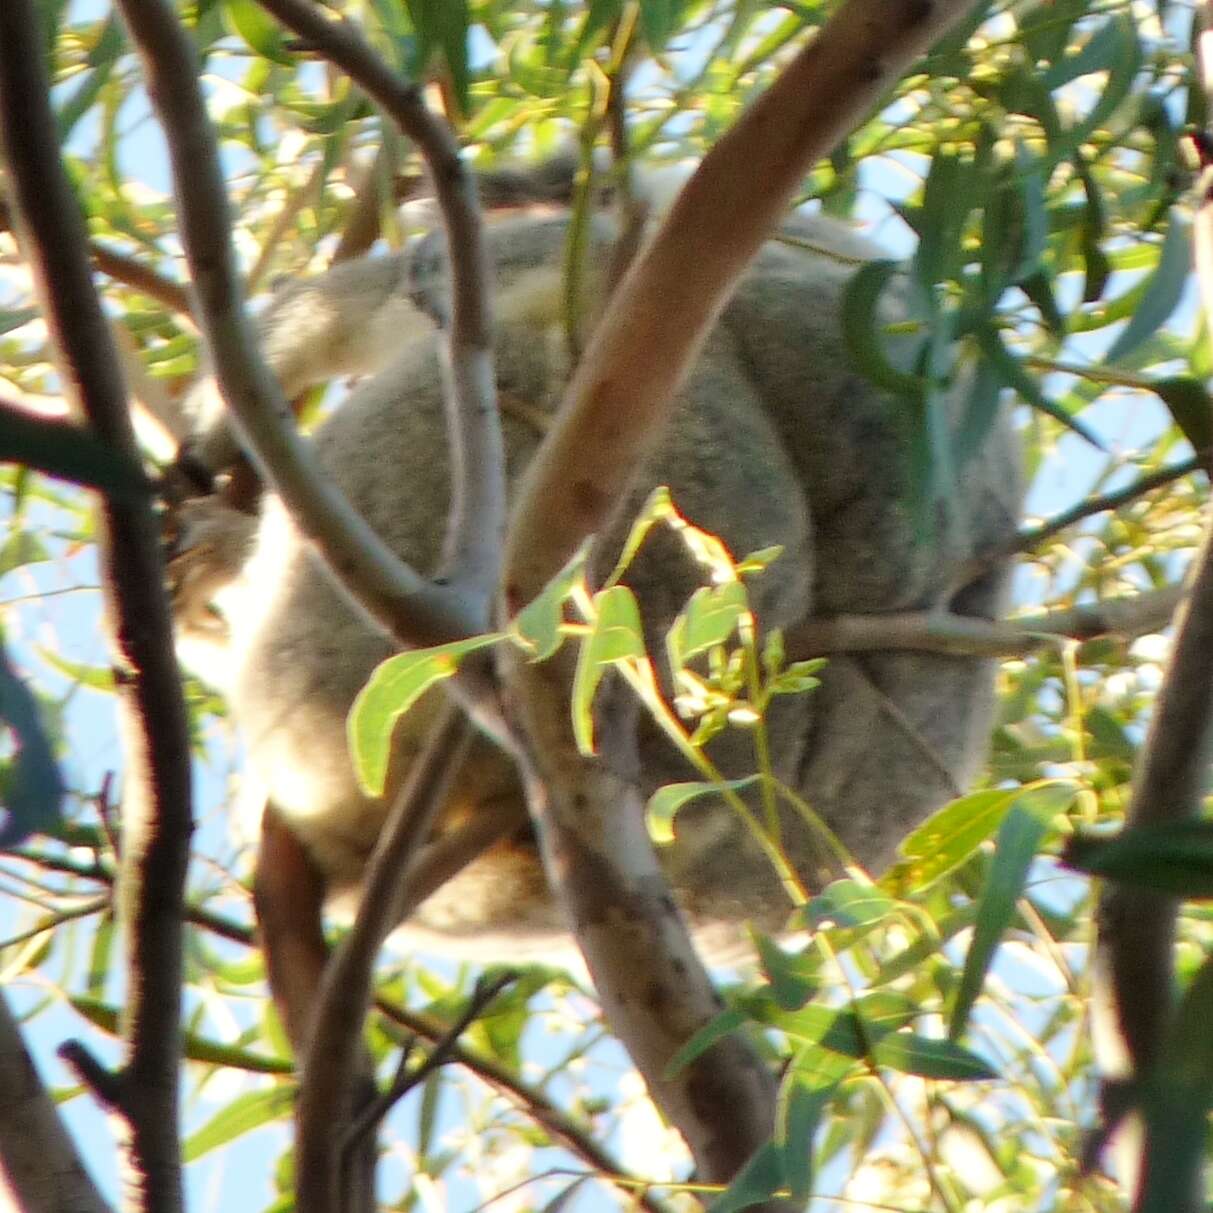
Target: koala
point(777, 440)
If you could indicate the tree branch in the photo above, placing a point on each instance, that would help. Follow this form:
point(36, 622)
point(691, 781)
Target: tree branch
point(395, 597)
point(476, 523)
point(967, 636)
point(39, 1164)
point(157, 816)
point(332, 1061)
point(1032, 537)
point(653, 987)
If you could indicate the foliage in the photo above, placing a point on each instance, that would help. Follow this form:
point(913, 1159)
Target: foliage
point(933, 1032)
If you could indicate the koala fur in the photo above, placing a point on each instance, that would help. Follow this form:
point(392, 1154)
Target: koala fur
point(777, 440)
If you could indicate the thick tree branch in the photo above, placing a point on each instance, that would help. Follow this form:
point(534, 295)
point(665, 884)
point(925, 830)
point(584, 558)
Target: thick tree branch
point(156, 806)
point(397, 599)
point(654, 989)
point(39, 1164)
point(622, 393)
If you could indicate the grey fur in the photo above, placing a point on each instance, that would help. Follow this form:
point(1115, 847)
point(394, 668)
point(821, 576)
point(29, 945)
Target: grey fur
point(777, 439)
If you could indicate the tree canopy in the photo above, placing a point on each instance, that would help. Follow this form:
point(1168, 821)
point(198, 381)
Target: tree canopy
point(1032, 176)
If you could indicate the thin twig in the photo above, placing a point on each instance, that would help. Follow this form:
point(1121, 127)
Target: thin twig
point(404, 1080)
point(1032, 537)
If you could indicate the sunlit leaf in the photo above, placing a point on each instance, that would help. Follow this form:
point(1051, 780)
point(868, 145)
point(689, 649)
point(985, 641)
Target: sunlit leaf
point(393, 688)
point(244, 1114)
point(664, 804)
point(615, 635)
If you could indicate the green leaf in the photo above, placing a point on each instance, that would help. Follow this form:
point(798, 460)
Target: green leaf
point(1019, 839)
point(105, 53)
point(1012, 373)
point(666, 801)
point(1190, 408)
point(537, 627)
point(792, 976)
point(659, 19)
point(798, 1112)
point(862, 328)
point(197, 1048)
point(392, 689)
point(709, 619)
point(1175, 858)
point(443, 25)
point(946, 839)
point(1162, 293)
point(615, 635)
point(244, 1114)
point(851, 1032)
point(716, 1029)
point(848, 903)
point(21, 548)
point(798, 677)
point(946, 202)
point(248, 20)
point(910, 1053)
point(95, 677)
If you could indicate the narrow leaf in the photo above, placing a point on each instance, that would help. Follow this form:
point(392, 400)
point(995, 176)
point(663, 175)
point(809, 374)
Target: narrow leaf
point(615, 635)
point(666, 801)
point(393, 688)
point(1162, 293)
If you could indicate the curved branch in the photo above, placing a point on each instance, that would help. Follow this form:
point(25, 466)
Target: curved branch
point(395, 597)
point(653, 987)
point(476, 525)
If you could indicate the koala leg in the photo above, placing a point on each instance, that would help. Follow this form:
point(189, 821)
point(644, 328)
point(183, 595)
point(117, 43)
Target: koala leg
point(288, 897)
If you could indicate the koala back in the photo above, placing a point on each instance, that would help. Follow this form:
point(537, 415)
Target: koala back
point(776, 440)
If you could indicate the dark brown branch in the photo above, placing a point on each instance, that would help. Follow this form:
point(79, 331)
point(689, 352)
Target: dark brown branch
point(156, 810)
point(39, 1164)
point(406, 1079)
